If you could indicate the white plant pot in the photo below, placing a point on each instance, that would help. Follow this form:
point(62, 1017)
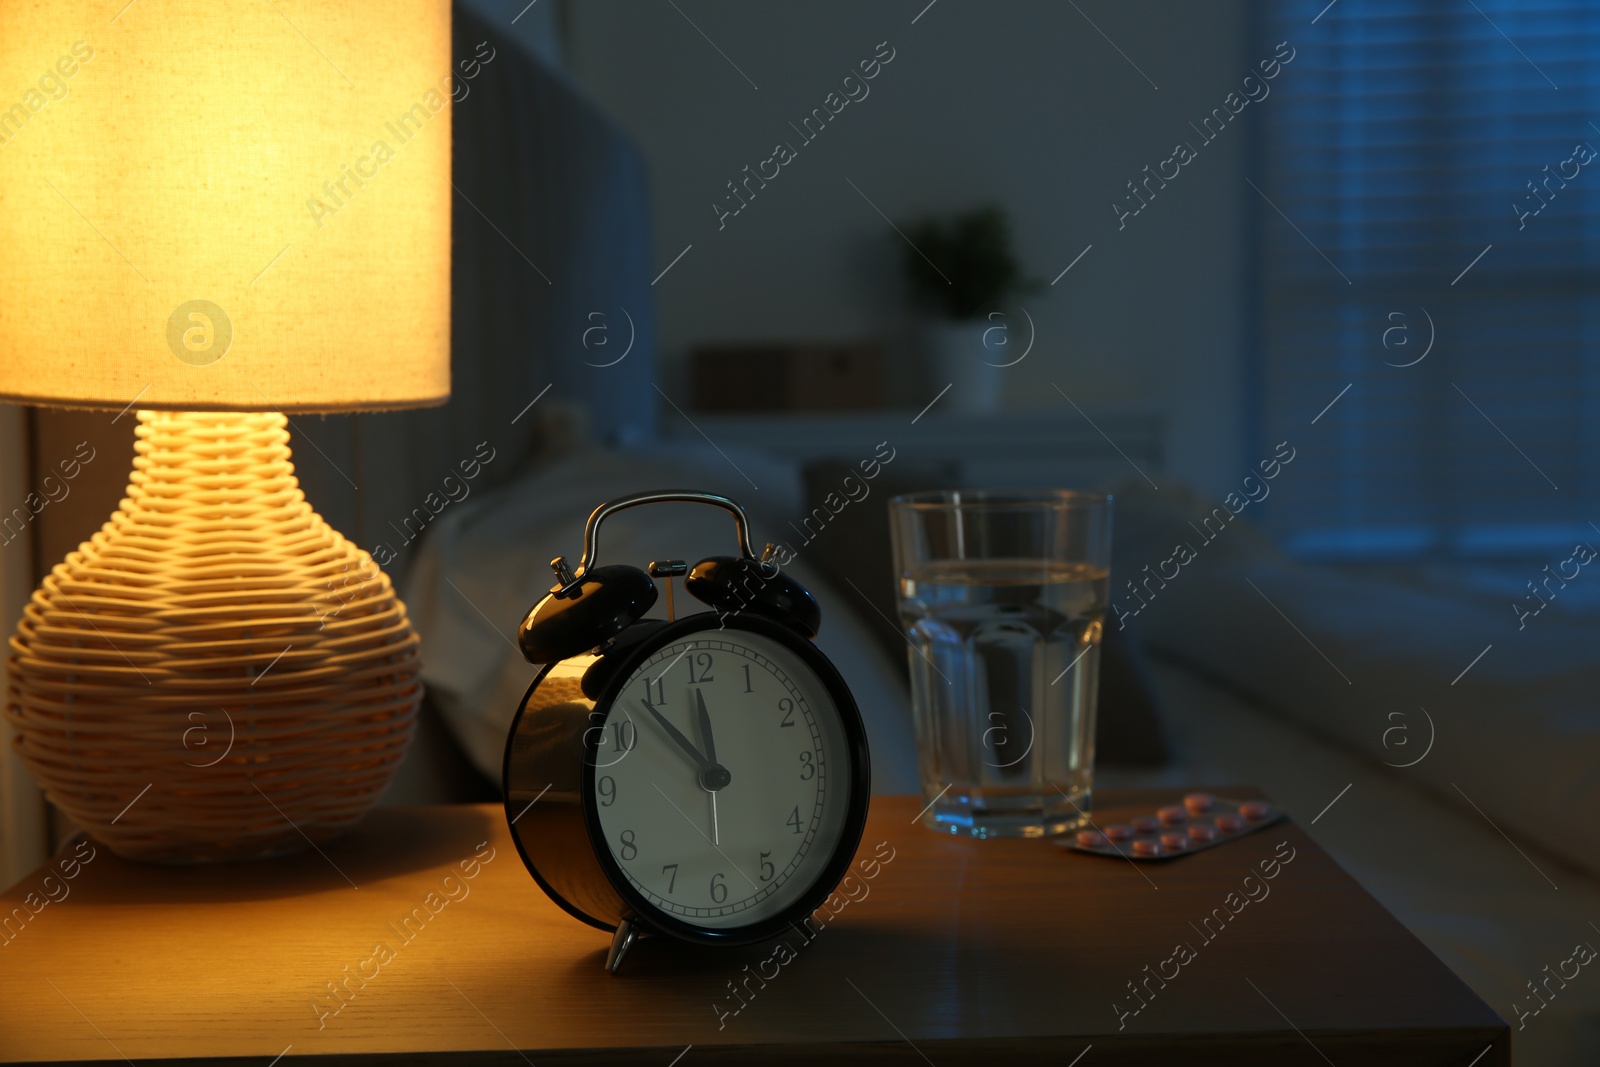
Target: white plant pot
point(966, 356)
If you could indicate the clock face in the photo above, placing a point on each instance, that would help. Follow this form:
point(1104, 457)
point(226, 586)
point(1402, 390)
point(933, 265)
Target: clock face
point(722, 779)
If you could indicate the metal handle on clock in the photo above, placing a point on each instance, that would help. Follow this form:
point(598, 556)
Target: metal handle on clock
point(568, 580)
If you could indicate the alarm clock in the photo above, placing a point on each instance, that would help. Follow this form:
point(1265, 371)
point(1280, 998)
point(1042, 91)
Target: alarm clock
point(703, 778)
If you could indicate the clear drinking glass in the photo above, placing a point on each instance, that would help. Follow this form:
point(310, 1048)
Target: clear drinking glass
point(1002, 594)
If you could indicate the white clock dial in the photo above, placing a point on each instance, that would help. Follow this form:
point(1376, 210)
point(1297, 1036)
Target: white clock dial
point(722, 779)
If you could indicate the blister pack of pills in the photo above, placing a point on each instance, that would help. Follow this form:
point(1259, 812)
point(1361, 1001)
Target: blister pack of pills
point(1202, 821)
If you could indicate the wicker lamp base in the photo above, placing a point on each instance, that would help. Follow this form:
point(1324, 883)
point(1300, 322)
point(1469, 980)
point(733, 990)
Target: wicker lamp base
point(217, 674)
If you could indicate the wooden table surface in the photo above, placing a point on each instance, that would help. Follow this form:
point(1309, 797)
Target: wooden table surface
point(954, 952)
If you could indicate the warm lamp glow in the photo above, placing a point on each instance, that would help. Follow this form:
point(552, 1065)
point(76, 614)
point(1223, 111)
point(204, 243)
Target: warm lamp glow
point(220, 205)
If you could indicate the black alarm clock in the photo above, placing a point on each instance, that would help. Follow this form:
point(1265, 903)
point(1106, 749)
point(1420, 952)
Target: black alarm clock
point(703, 778)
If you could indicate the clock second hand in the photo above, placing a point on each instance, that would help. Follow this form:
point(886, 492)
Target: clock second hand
point(702, 833)
point(704, 720)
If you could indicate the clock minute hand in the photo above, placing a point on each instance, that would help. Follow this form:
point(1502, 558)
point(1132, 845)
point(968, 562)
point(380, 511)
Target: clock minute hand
point(678, 738)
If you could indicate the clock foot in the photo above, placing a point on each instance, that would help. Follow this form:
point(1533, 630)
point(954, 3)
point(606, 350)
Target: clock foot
point(627, 933)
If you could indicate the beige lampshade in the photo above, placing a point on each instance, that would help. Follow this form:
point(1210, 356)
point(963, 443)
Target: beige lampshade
point(225, 204)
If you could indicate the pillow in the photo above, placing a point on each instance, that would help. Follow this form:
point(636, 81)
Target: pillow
point(853, 550)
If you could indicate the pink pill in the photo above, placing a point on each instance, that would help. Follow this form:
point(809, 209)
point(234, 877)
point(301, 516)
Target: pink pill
point(1119, 832)
point(1146, 824)
point(1198, 802)
point(1175, 841)
point(1229, 824)
point(1145, 847)
point(1255, 810)
point(1176, 815)
point(1201, 832)
point(1091, 838)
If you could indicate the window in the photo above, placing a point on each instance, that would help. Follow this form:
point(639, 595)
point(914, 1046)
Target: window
point(1442, 191)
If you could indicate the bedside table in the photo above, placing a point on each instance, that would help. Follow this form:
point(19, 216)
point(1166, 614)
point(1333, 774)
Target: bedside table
point(408, 941)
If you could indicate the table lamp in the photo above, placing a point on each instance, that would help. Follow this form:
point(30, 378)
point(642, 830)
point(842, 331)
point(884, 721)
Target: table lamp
point(215, 215)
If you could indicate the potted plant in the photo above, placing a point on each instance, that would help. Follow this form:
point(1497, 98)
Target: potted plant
point(961, 270)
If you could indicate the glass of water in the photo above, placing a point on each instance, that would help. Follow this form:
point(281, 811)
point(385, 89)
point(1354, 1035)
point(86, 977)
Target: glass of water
point(1002, 594)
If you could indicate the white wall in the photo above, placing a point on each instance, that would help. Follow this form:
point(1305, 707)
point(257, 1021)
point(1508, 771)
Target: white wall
point(1022, 102)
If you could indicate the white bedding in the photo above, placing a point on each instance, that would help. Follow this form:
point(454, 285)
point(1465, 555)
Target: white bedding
point(1371, 664)
point(483, 566)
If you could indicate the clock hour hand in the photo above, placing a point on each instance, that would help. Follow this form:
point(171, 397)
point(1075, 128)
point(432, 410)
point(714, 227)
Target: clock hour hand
point(678, 738)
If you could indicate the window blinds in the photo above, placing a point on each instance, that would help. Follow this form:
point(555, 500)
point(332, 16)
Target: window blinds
point(1429, 213)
